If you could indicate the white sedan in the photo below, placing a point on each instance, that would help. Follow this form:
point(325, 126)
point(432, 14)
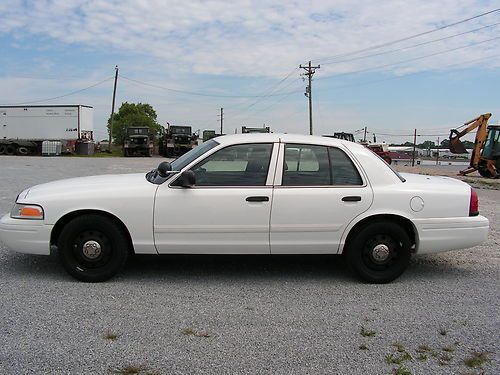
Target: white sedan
point(250, 194)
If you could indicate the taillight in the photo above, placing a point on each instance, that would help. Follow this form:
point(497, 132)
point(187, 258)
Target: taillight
point(474, 203)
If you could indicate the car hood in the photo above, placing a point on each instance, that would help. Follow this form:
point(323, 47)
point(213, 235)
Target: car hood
point(80, 185)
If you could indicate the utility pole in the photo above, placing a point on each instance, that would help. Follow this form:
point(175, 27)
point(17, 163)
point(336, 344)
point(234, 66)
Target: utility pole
point(414, 148)
point(221, 120)
point(112, 110)
point(437, 154)
point(310, 70)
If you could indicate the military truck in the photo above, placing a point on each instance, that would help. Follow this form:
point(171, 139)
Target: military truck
point(138, 142)
point(176, 140)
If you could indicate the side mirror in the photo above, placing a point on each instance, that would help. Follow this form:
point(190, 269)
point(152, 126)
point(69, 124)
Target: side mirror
point(164, 168)
point(187, 179)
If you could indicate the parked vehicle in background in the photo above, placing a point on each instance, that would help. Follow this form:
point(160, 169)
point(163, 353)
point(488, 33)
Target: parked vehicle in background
point(138, 142)
point(485, 156)
point(23, 129)
point(264, 129)
point(381, 149)
point(176, 140)
point(250, 194)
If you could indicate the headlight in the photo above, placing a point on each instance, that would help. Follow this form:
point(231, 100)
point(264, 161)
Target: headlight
point(26, 211)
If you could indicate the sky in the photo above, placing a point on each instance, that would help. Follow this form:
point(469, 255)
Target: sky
point(389, 66)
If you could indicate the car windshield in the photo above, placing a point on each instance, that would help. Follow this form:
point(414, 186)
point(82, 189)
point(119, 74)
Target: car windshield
point(192, 155)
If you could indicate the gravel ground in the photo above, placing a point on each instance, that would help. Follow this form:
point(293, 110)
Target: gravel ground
point(239, 314)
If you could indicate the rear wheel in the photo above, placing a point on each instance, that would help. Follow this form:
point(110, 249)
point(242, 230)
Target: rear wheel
point(379, 252)
point(2, 149)
point(21, 150)
point(92, 248)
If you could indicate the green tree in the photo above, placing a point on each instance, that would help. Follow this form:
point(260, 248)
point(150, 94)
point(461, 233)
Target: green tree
point(426, 145)
point(132, 114)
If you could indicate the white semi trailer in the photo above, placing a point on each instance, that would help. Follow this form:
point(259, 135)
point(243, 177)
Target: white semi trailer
point(24, 128)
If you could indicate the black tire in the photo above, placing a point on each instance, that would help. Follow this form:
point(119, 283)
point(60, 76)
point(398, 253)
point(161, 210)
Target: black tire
point(391, 259)
point(105, 253)
point(2, 149)
point(10, 150)
point(484, 172)
point(21, 150)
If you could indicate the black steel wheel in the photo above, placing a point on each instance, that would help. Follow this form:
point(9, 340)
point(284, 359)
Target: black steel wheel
point(92, 248)
point(379, 252)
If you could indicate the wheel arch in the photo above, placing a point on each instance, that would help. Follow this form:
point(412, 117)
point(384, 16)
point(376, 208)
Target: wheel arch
point(62, 221)
point(404, 222)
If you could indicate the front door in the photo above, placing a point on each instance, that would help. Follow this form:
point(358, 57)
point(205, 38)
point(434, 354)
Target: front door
point(227, 211)
point(320, 193)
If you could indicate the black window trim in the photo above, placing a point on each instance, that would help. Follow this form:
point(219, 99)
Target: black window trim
point(348, 154)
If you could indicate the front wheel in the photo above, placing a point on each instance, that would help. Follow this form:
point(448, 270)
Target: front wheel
point(379, 252)
point(92, 248)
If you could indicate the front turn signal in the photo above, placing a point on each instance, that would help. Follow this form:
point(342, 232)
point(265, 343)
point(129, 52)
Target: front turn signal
point(26, 211)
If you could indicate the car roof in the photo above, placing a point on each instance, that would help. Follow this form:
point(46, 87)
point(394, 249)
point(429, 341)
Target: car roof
point(281, 137)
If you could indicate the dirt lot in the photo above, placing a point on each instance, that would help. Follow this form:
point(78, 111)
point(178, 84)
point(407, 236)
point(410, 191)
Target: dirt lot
point(243, 315)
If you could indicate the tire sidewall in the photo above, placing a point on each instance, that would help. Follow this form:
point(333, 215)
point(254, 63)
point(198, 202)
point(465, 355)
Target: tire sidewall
point(355, 252)
point(115, 237)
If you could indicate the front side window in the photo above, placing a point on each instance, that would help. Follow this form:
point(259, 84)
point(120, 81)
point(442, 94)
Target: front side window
point(238, 165)
point(311, 165)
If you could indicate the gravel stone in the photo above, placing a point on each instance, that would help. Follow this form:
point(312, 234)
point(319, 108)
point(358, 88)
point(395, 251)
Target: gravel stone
point(262, 314)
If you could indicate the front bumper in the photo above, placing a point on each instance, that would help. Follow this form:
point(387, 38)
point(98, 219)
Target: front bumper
point(25, 236)
point(443, 234)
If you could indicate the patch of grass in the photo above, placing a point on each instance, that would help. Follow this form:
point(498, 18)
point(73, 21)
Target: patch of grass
point(363, 347)
point(111, 336)
point(424, 349)
point(448, 349)
point(192, 332)
point(445, 359)
point(130, 370)
point(399, 347)
point(367, 333)
point(397, 360)
point(443, 332)
point(477, 359)
point(401, 370)
point(422, 357)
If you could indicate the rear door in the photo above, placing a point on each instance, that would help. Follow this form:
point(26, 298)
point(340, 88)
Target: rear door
point(318, 192)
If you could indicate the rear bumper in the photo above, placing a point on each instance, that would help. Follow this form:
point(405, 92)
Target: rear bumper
point(443, 234)
point(25, 236)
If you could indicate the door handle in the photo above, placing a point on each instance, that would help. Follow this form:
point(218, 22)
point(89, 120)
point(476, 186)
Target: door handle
point(257, 199)
point(352, 198)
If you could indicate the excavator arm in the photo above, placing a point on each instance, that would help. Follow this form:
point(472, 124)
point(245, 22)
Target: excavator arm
point(456, 146)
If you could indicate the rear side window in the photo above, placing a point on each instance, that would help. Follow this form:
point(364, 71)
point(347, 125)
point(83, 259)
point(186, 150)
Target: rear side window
point(311, 165)
point(343, 169)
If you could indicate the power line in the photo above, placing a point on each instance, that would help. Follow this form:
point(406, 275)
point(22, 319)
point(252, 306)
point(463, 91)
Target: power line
point(62, 96)
point(410, 37)
point(413, 59)
point(197, 93)
point(408, 47)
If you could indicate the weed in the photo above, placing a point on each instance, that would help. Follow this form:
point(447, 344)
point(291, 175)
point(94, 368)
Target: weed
point(422, 357)
point(192, 332)
point(477, 359)
point(129, 370)
point(442, 332)
point(423, 349)
point(401, 370)
point(363, 347)
point(111, 336)
point(448, 349)
point(367, 333)
point(391, 358)
point(400, 348)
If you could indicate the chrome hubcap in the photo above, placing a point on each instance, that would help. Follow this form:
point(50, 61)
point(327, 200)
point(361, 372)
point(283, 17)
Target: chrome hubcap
point(91, 249)
point(380, 253)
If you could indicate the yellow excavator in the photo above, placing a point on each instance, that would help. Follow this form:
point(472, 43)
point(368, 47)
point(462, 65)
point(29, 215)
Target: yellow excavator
point(485, 156)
